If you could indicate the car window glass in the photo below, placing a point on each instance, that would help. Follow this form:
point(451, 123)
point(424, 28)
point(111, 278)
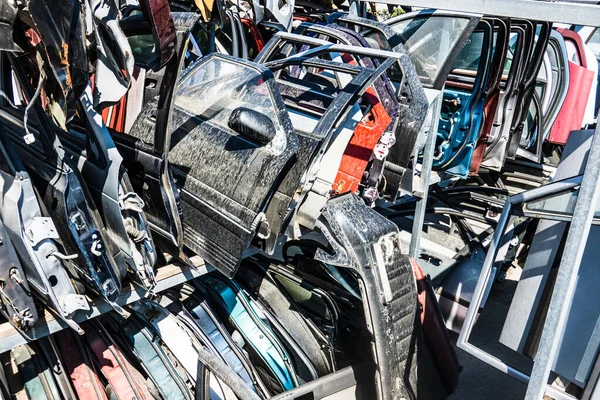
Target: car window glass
point(512, 44)
point(213, 89)
point(594, 43)
point(530, 126)
point(572, 52)
point(428, 41)
point(469, 56)
point(144, 51)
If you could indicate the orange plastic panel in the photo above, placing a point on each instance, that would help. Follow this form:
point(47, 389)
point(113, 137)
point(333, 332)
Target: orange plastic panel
point(359, 150)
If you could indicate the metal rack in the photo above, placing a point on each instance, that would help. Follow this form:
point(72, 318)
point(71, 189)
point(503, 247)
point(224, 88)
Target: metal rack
point(566, 12)
point(569, 12)
point(167, 277)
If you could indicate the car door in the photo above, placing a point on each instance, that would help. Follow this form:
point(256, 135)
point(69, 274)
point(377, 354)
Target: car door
point(142, 141)
point(571, 115)
point(401, 160)
point(559, 62)
point(555, 90)
point(376, 128)
point(314, 95)
point(433, 39)
point(229, 141)
point(463, 103)
point(591, 37)
point(543, 30)
point(520, 44)
point(493, 91)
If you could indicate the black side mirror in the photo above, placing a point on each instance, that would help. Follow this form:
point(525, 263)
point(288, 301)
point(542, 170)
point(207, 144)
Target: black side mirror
point(252, 125)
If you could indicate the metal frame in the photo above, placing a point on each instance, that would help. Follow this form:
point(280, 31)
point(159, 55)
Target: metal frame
point(568, 12)
point(565, 284)
point(566, 280)
point(564, 12)
point(167, 277)
point(497, 252)
point(425, 179)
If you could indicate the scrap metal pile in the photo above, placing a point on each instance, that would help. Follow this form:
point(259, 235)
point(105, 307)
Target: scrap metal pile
point(283, 143)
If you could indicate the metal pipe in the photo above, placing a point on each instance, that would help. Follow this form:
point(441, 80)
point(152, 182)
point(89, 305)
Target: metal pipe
point(427, 164)
point(555, 11)
point(480, 291)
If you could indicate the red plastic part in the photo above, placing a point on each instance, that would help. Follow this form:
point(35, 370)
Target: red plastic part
point(114, 116)
point(359, 150)
point(570, 116)
point(256, 36)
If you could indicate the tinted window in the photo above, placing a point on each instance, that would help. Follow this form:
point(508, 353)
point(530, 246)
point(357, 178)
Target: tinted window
point(510, 54)
point(562, 204)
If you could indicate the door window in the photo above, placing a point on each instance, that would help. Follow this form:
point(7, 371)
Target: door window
point(216, 88)
point(594, 43)
point(429, 40)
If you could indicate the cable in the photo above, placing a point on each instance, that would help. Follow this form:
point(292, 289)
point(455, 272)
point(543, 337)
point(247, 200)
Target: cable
point(29, 138)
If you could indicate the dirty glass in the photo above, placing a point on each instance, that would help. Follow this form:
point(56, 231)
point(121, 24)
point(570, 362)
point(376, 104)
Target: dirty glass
point(144, 52)
point(469, 57)
point(215, 88)
point(429, 41)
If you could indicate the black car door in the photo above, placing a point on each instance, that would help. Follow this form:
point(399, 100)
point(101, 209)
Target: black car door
point(520, 42)
point(229, 142)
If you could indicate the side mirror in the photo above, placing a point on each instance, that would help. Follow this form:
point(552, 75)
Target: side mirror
point(252, 125)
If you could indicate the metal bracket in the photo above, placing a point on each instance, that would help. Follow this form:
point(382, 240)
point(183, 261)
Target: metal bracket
point(39, 229)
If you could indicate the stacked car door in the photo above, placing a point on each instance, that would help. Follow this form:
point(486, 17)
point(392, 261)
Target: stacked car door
point(572, 111)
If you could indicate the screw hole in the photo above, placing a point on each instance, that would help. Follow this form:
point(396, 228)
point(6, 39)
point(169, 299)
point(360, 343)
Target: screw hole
point(53, 281)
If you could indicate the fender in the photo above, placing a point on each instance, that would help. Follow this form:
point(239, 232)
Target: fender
point(368, 243)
